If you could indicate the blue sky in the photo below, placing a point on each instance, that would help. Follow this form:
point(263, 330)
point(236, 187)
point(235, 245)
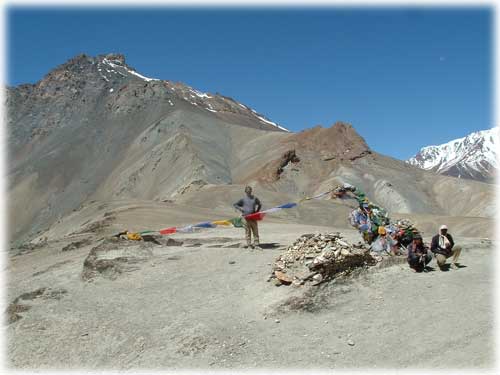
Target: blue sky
point(403, 77)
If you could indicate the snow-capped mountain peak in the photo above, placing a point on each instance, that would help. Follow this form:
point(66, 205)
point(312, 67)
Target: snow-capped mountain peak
point(112, 66)
point(473, 156)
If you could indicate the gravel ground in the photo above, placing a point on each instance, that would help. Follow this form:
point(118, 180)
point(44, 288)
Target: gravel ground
point(211, 307)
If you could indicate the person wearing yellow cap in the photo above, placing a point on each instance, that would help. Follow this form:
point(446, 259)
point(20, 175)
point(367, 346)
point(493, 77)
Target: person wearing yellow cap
point(443, 247)
point(384, 242)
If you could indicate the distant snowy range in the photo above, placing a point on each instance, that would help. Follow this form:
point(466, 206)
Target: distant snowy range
point(473, 157)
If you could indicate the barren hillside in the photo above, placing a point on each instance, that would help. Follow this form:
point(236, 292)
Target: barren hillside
point(95, 130)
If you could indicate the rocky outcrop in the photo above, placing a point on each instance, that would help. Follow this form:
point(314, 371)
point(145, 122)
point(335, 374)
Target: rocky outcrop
point(340, 142)
point(113, 257)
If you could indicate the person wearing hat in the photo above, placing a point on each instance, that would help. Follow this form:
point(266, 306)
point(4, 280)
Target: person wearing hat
point(361, 219)
point(384, 242)
point(418, 254)
point(443, 247)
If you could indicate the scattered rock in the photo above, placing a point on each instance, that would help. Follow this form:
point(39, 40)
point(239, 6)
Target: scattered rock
point(285, 279)
point(172, 242)
point(76, 245)
point(110, 261)
point(44, 293)
point(318, 278)
point(350, 342)
point(13, 311)
point(174, 257)
point(277, 321)
point(151, 238)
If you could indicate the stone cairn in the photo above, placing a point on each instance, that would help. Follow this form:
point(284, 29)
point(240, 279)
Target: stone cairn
point(317, 258)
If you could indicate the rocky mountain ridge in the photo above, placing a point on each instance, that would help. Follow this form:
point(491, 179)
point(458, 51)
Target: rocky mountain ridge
point(94, 132)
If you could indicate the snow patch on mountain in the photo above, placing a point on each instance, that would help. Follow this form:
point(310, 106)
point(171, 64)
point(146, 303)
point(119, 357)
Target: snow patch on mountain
point(118, 65)
point(212, 103)
point(474, 156)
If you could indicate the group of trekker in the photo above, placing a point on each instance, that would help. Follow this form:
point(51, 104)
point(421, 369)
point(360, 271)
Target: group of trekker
point(377, 231)
point(375, 228)
point(442, 246)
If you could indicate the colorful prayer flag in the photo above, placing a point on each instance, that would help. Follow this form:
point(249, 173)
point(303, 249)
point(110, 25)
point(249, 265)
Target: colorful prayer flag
point(271, 210)
point(171, 230)
point(255, 216)
point(205, 224)
point(287, 205)
point(237, 222)
point(186, 229)
point(222, 222)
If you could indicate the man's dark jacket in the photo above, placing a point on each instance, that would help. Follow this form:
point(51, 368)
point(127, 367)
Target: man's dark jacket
point(439, 250)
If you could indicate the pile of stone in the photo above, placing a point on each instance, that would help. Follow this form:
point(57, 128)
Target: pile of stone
point(317, 258)
point(405, 230)
point(405, 225)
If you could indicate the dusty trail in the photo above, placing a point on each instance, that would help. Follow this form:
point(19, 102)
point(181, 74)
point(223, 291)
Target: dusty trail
point(189, 307)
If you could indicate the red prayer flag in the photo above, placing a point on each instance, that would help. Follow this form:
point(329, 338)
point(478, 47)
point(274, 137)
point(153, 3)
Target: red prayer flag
point(168, 230)
point(255, 216)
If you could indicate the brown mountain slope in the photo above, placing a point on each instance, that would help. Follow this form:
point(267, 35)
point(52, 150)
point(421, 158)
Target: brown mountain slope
point(93, 130)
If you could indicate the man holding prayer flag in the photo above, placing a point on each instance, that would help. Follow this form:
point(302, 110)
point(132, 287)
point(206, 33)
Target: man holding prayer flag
point(249, 205)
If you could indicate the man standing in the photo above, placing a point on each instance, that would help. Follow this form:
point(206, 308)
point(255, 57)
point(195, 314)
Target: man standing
point(418, 256)
point(249, 205)
point(443, 247)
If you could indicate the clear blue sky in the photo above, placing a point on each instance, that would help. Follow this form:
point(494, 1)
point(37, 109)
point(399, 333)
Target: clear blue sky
point(404, 77)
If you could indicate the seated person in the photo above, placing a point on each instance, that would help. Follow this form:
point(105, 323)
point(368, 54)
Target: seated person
point(443, 247)
point(384, 243)
point(418, 254)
